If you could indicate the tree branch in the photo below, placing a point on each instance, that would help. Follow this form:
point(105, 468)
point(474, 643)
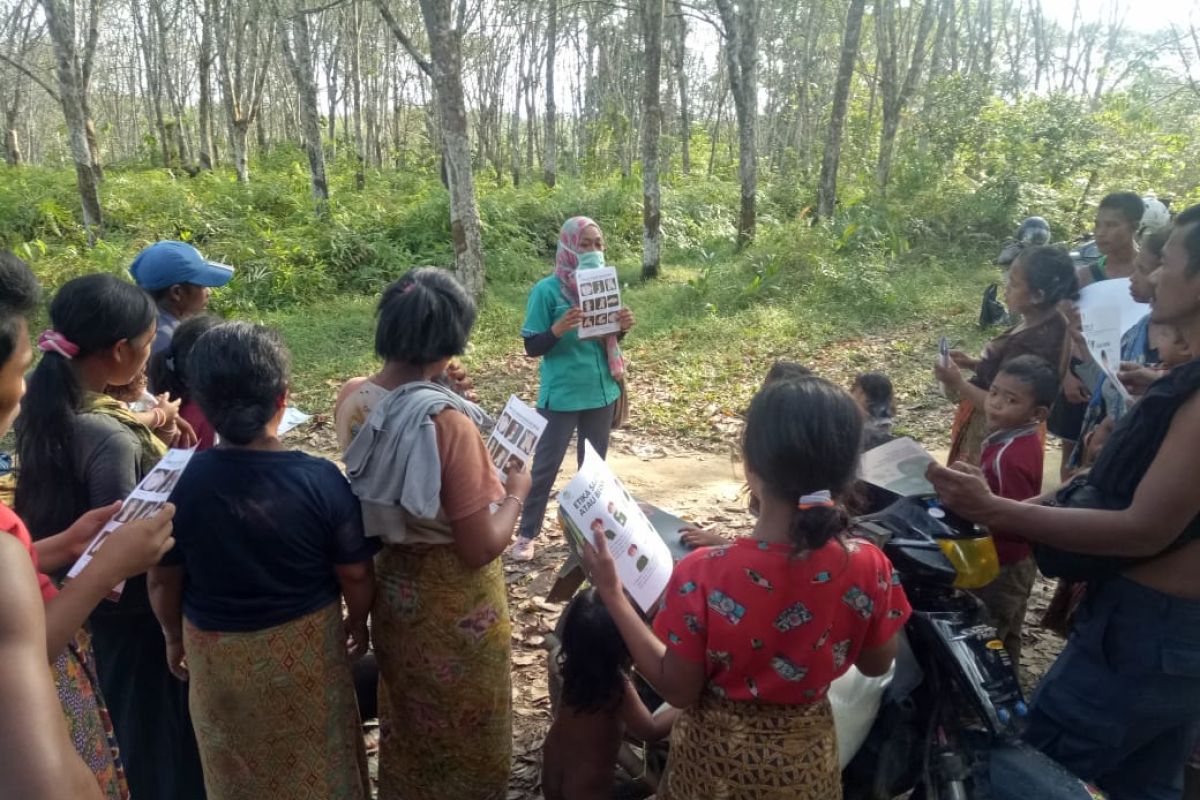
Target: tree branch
point(27, 73)
point(402, 37)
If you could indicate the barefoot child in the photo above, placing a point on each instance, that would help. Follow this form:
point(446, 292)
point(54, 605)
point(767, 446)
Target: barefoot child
point(1017, 405)
point(598, 705)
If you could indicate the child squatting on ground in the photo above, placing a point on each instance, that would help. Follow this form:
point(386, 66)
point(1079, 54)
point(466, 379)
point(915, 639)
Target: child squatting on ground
point(599, 703)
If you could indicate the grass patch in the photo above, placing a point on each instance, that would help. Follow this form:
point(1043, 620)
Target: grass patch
point(699, 352)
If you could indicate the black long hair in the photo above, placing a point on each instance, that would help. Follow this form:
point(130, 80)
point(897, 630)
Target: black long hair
point(1051, 271)
point(93, 312)
point(802, 437)
point(238, 372)
point(168, 368)
point(593, 658)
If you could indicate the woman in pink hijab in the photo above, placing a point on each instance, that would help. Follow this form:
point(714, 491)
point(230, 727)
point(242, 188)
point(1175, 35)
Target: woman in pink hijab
point(581, 372)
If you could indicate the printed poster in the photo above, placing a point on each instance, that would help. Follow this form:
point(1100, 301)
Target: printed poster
point(1102, 332)
point(146, 500)
point(600, 301)
point(595, 501)
point(515, 437)
point(898, 466)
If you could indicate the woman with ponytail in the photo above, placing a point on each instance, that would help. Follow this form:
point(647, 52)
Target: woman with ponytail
point(750, 635)
point(80, 449)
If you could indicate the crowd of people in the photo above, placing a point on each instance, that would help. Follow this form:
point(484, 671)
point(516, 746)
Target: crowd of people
point(225, 668)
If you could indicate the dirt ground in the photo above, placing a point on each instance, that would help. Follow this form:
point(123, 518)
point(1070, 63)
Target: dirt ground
point(703, 487)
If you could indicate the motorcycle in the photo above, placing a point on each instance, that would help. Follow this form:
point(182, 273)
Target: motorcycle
point(945, 722)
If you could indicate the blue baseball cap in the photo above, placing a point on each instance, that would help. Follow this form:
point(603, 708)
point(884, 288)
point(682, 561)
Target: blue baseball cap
point(167, 263)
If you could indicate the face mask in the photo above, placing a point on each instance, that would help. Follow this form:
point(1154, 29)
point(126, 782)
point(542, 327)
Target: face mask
point(591, 259)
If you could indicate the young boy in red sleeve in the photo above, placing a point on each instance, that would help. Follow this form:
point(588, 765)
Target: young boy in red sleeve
point(1012, 456)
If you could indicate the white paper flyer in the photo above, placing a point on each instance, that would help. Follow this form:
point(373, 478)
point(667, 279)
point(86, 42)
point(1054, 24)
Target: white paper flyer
point(594, 502)
point(1112, 294)
point(1102, 332)
point(292, 418)
point(898, 466)
point(146, 500)
point(600, 301)
point(515, 437)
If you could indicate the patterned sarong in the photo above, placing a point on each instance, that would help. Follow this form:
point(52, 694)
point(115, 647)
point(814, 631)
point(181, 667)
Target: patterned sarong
point(727, 750)
point(442, 640)
point(87, 717)
point(275, 711)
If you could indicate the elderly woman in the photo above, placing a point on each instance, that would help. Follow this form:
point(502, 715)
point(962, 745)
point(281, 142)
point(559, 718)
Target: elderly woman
point(581, 378)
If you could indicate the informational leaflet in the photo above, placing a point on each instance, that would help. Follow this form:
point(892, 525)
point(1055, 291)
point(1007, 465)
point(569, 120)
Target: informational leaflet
point(292, 418)
point(600, 301)
point(146, 500)
point(898, 466)
point(596, 502)
point(1112, 294)
point(515, 437)
point(1102, 332)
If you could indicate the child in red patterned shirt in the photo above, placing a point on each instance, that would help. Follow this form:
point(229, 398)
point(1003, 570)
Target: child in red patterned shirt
point(750, 635)
point(1012, 457)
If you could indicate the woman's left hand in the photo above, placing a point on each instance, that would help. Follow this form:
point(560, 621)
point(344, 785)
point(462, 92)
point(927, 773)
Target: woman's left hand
point(626, 319)
point(83, 530)
point(963, 489)
point(949, 374)
point(600, 567)
point(463, 384)
point(187, 438)
point(358, 639)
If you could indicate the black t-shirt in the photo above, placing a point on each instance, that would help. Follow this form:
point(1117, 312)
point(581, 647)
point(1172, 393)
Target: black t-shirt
point(258, 534)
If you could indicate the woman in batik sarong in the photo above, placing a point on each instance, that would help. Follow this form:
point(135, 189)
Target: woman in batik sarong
point(269, 543)
point(80, 450)
point(751, 634)
point(429, 492)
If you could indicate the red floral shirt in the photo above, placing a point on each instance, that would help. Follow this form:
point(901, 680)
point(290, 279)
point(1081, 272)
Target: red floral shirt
point(11, 523)
point(777, 627)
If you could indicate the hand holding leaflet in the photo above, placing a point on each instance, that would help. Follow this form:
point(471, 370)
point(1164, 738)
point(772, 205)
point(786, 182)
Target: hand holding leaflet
point(594, 503)
point(515, 437)
point(146, 500)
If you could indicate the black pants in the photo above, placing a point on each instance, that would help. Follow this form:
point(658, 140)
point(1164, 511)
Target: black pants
point(148, 705)
point(593, 425)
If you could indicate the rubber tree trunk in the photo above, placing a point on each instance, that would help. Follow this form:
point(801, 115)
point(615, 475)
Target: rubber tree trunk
point(356, 113)
point(241, 162)
point(70, 93)
point(550, 154)
point(204, 64)
point(297, 51)
point(652, 24)
point(827, 185)
point(741, 55)
point(679, 63)
point(12, 147)
point(446, 58)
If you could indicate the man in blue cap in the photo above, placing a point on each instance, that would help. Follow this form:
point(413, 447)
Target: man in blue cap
point(180, 280)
